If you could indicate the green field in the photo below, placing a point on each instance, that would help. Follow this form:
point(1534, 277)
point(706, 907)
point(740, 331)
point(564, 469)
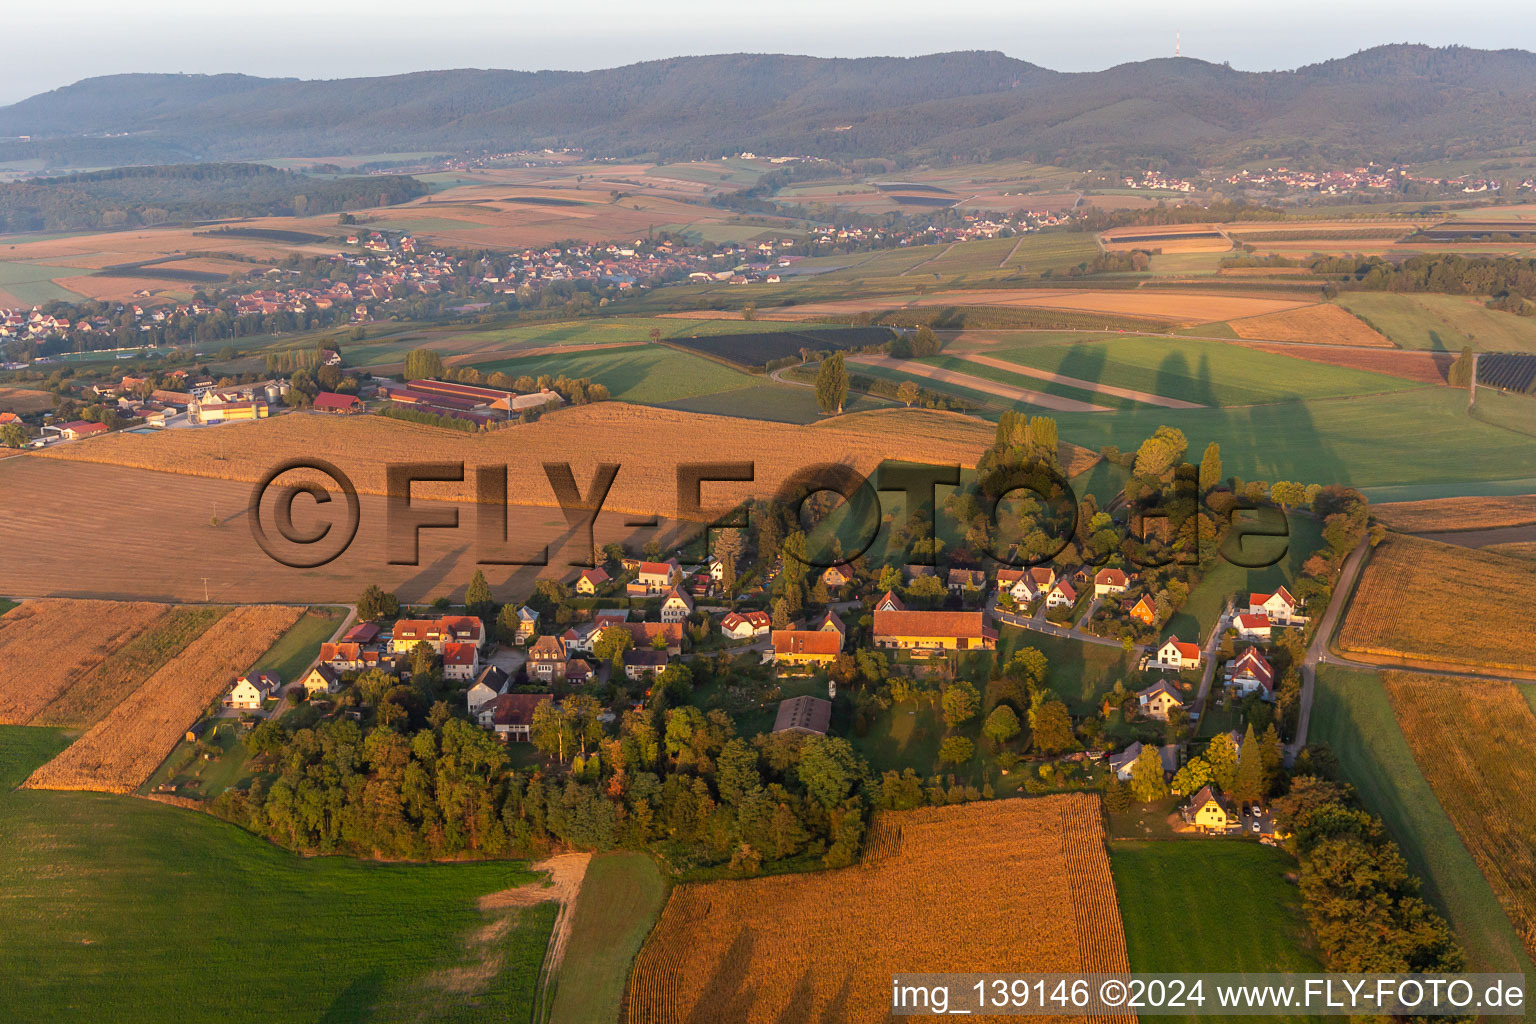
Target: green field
point(1192, 905)
point(782, 403)
point(1181, 264)
point(1195, 620)
point(125, 910)
point(1207, 372)
point(1105, 480)
point(1352, 715)
point(297, 649)
point(648, 374)
point(621, 897)
point(6, 606)
point(903, 736)
point(1442, 323)
point(982, 255)
point(33, 282)
point(1054, 251)
point(1018, 380)
point(1080, 673)
point(1509, 411)
point(1421, 437)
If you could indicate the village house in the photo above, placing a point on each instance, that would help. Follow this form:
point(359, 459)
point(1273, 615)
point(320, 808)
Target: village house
point(435, 633)
point(889, 602)
point(1144, 611)
point(797, 647)
point(510, 715)
point(1157, 700)
point(251, 689)
point(966, 581)
point(1250, 672)
point(837, 576)
point(546, 659)
point(489, 684)
point(1175, 654)
point(461, 661)
point(342, 657)
point(1122, 763)
point(658, 577)
point(323, 680)
point(1109, 581)
point(1061, 595)
point(645, 635)
point(1211, 811)
point(809, 716)
point(527, 624)
point(1016, 584)
point(1252, 627)
point(578, 672)
point(640, 661)
point(1280, 607)
point(590, 580)
point(745, 625)
point(677, 607)
point(949, 631)
point(830, 623)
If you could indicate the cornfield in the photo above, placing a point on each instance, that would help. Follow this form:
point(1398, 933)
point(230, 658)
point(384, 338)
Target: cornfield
point(1442, 605)
point(647, 443)
point(122, 750)
point(1480, 513)
point(1007, 885)
point(47, 645)
point(1476, 744)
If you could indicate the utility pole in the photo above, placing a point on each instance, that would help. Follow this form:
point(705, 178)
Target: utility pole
point(1472, 386)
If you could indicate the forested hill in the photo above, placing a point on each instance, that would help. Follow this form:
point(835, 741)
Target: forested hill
point(133, 196)
point(1392, 103)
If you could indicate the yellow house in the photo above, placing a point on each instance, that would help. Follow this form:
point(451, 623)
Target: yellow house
point(1210, 811)
point(947, 631)
point(588, 582)
point(1159, 699)
point(806, 646)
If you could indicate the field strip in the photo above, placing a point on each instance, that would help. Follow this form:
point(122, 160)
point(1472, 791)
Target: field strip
point(930, 259)
point(1075, 382)
point(991, 387)
point(1012, 252)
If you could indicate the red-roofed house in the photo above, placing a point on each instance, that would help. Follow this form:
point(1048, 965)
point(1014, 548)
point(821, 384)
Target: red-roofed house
point(1252, 627)
point(658, 577)
point(949, 631)
point(1109, 581)
point(889, 602)
point(677, 607)
point(81, 428)
point(1144, 611)
point(1280, 606)
point(805, 646)
point(1251, 672)
point(461, 661)
point(589, 581)
point(746, 625)
point(1061, 595)
point(1177, 655)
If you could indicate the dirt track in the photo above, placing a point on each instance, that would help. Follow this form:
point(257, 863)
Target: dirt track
point(1144, 397)
point(991, 387)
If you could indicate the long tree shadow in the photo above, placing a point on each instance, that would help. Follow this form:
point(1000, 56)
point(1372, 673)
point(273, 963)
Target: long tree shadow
point(727, 995)
point(356, 1002)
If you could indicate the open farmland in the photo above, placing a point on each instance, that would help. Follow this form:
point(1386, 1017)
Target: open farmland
point(649, 374)
point(1320, 324)
point(1178, 308)
point(1034, 253)
point(760, 348)
point(823, 946)
point(1442, 606)
point(1421, 367)
point(1466, 513)
point(24, 400)
point(908, 368)
point(124, 748)
point(45, 646)
point(1476, 744)
point(647, 443)
point(1442, 323)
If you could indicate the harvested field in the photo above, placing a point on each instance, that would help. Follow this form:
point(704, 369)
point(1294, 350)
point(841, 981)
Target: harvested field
point(1181, 308)
point(1320, 324)
point(1461, 513)
point(648, 444)
point(95, 693)
point(124, 748)
point(1517, 549)
point(24, 400)
point(1424, 367)
point(47, 645)
point(823, 946)
point(911, 368)
point(1476, 744)
point(1443, 607)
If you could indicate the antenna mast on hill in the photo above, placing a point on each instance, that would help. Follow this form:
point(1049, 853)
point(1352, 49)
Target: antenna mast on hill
point(1178, 40)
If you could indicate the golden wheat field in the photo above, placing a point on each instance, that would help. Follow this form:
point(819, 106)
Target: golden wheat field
point(46, 645)
point(1320, 324)
point(1177, 307)
point(1461, 513)
point(1007, 885)
point(1476, 744)
point(1442, 606)
point(122, 750)
point(648, 444)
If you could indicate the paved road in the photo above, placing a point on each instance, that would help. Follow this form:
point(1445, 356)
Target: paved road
point(1318, 651)
point(1040, 624)
point(1209, 653)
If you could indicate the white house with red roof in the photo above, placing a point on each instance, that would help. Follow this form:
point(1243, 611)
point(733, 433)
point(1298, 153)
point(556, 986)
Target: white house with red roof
point(889, 602)
point(1252, 627)
point(1280, 606)
point(1176, 654)
point(461, 661)
point(658, 577)
point(677, 607)
point(1061, 595)
point(1250, 672)
point(746, 625)
point(1109, 581)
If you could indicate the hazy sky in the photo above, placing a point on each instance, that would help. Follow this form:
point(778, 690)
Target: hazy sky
point(50, 46)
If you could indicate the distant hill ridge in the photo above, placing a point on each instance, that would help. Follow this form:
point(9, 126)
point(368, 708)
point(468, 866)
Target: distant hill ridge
point(1394, 103)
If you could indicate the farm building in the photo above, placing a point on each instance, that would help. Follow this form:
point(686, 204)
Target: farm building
point(806, 646)
point(808, 715)
point(81, 428)
point(949, 631)
point(342, 405)
point(228, 412)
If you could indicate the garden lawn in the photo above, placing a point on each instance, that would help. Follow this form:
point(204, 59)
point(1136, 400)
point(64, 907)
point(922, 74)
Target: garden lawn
point(1194, 621)
point(180, 916)
point(1352, 715)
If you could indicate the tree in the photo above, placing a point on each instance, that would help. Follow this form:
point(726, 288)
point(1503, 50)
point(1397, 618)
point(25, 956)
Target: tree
point(1210, 467)
point(423, 661)
point(960, 702)
point(611, 643)
point(1001, 725)
point(1285, 493)
point(477, 596)
point(550, 730)
point(1053, 728)
point(907, 392)
point(956, 750)
point(1460, 373)
point(828, 769)
point(1221, 754)
point(422, 362)
point(13, 435)
point(1272, 757)
point(377, 604)
point(832, 383)
point(1195, 774)
point(1248, 786)
point(749, 311)
point(925, 342)
point(1161, 452)
point(1147, 776)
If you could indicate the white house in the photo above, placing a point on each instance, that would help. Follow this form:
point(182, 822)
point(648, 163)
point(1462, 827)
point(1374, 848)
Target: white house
point(1061, 595)
point(1177, 655)
point(251, 689)
point(461, 662)
point(746, 625)
point(1251, 672)
point(677, 607)
point(1122, 763)
point(1109, 581)
point(1252, 627)
point(1280, 607)
point(489, 685)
